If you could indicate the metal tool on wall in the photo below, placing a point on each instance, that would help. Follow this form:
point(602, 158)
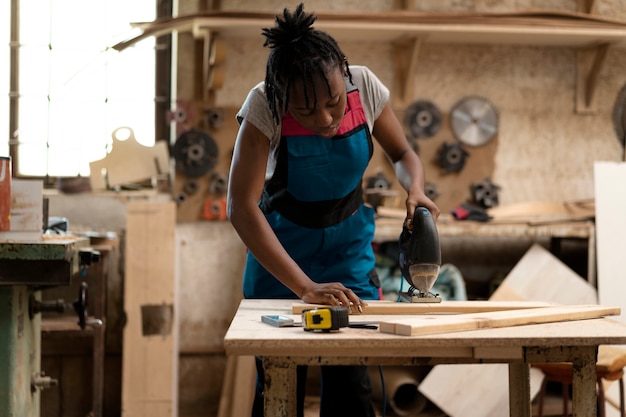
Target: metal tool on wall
point(485, 193)
point(474, 121)
point(430, 189)
point(195, 153)
point(451, 157)
point(423, 119)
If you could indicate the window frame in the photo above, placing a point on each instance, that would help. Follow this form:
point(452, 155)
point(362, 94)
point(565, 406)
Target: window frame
point(162, 88)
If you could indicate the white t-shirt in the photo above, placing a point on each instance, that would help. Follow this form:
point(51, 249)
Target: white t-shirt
point(255, 109)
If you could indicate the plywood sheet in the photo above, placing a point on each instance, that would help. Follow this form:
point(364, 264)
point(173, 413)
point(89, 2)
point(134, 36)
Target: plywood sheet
point(540, 276)
point(610, 187)
point(469, 396)
point(238, 389)
point(129, 162)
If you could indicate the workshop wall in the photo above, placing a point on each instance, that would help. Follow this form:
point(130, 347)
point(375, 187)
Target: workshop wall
point(544, 150)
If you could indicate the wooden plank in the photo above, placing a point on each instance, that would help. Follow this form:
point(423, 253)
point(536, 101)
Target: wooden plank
point(390, 307)
point(548, 28)
point(540, 276)
point(563, 210)
point(150, 358)
point(238, 390)
point(589, 63)
point(610, 183)
point(416, 326)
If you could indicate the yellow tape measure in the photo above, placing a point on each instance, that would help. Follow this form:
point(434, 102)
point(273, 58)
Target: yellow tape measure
point(325, 318)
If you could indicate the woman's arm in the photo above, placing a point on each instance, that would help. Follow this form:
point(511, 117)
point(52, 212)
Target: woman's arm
point(246, 180)
point(389, 133)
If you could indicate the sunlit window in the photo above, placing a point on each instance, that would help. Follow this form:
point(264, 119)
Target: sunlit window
point(74, 89)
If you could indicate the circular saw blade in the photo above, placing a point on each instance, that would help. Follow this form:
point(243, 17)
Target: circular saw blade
point(195, 153)
point(474, 121)
point(423, 119)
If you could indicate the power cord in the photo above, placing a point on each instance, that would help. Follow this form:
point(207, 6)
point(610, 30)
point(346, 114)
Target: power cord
point(384, 391)
point(400, 289)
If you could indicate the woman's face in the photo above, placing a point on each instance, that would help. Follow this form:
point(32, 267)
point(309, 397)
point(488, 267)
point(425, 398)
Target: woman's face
point(324, 111)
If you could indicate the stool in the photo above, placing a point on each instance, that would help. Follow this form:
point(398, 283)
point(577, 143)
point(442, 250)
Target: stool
point(609, 366)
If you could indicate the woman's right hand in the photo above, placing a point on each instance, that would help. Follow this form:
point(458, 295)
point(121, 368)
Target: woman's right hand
point(334, 294)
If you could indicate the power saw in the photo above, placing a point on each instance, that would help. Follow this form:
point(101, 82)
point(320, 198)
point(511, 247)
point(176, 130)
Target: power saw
point(420, 257)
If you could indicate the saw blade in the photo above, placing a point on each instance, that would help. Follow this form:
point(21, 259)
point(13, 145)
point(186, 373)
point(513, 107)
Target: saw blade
point(423, 119)
point(474, 121)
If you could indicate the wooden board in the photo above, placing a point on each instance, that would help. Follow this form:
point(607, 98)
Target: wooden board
point(610, 183)
point(390, 307)
point(150, 358)
point(129, 162)
point(238, 389)
point(540, 276)
point(527, 28)
point(416, 326)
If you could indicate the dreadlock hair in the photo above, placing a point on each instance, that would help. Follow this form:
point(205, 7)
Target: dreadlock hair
point(298, 53)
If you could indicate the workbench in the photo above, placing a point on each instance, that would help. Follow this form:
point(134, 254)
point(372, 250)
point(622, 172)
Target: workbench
point(283, 349)
point(26, 267)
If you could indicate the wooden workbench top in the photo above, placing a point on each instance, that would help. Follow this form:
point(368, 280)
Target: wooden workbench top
point(247, 335)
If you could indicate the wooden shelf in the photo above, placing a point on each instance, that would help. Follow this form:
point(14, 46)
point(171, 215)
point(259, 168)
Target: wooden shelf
point(408, 30)
point(545, 28)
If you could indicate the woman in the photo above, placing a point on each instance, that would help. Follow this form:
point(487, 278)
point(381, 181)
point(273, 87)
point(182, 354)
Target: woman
point(295, 186)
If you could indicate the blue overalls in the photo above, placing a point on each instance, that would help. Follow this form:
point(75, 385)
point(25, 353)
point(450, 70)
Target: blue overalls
point(314, 204)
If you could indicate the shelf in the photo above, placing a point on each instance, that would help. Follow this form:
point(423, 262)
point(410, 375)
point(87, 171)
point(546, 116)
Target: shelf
point(544, 28)
point(408, 30)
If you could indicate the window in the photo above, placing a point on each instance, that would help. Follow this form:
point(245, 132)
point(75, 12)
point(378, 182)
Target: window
point(74, 90)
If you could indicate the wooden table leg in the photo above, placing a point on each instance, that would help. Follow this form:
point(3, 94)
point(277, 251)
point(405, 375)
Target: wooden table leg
point(519, 389)
point(584, 396)
point(280, 387)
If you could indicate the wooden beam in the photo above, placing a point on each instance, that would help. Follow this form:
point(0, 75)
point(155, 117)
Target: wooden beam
point(589, 62)
point(571, 29)
point(405, 54)
point(587, 6)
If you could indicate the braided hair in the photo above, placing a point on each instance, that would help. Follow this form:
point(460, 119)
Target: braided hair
point(298, 53)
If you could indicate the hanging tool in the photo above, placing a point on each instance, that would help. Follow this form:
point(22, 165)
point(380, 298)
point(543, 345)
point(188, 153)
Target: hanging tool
point(474, 121)
point(195, 153)
point(423, 119)
point(485, 193)
point(420, 257)
point(451, 157)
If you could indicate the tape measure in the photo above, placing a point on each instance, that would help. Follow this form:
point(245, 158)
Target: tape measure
point(325, 319)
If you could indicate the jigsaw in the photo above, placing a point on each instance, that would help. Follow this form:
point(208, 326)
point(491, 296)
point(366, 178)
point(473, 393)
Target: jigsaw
point(420, 257)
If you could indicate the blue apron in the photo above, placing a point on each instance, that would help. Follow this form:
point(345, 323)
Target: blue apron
point(314, 204)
